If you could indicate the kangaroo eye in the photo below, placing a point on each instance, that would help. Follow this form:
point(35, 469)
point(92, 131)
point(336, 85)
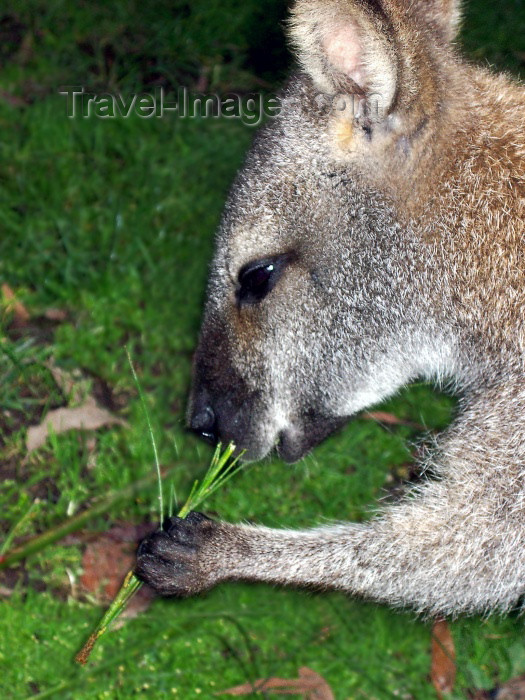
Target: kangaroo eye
point(258, 278)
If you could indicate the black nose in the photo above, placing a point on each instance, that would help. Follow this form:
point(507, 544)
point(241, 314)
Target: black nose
point(204, 425)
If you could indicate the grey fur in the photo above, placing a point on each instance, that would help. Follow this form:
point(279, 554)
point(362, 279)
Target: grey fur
point(406, 244)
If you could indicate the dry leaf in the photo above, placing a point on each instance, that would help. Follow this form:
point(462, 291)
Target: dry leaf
point(69, 383)
point(443, 668)
point(56, 315)
point(511, 690)
point(311, 685)
point(88, 416)
point(19, 311)
point(390, 419)
point(106, 561)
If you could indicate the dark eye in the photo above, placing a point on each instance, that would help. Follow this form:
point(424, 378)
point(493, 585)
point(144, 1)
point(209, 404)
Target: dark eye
point(258, 278)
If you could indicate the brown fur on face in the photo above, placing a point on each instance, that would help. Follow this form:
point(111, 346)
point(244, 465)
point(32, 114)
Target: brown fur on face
point(403, 227)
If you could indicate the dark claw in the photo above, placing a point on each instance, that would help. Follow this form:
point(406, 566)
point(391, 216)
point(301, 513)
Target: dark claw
point(145, 547)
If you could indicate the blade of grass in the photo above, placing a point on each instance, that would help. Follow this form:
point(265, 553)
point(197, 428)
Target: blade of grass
point(151, 435)
point(221, 469)
point(11, 535)
point(173, 500)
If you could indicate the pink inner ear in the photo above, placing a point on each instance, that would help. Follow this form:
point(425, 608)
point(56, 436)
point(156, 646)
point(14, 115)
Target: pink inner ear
point(344, 51)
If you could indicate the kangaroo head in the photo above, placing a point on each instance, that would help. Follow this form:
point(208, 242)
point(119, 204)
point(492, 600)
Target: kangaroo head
point(324, 297)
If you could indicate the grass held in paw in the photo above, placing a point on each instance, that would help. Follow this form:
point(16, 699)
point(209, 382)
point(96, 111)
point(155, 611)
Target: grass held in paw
point(222, 467)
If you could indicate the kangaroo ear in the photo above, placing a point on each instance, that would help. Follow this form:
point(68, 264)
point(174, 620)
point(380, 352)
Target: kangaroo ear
point(346, 47)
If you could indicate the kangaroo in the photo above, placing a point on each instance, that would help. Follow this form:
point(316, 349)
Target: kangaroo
point(360, 249)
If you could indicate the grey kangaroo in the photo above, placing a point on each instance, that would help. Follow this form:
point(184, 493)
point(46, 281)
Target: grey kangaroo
point(361, 248)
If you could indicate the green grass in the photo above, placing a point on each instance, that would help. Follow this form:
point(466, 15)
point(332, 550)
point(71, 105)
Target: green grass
point(113, 221)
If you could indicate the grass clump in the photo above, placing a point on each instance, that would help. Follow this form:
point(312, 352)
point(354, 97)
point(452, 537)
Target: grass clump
point(221, 469)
